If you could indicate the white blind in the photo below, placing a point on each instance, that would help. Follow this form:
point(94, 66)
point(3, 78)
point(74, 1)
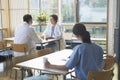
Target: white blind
point(18, 8)
point(0, 20)
point(0, 14)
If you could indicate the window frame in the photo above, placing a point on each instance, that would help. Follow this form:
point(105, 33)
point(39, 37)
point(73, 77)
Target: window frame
point(1, 14)
point(76, 18)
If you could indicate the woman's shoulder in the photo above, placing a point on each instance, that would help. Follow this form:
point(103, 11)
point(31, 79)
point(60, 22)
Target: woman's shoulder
point(83, 45)
point(95, 44)
point(79, 46)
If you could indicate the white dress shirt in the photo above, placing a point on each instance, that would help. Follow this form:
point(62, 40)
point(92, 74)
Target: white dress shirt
point(26, 34)
point(57, 31)
point(58, 34)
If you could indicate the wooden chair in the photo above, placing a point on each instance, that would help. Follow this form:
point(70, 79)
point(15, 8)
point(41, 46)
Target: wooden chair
point(43, 52)
point(109, 62)
point(109, 56)
point(5, 53)
point(20, 48)
point(2, 45)
point(39, 33)
point(100, 75)
point(19, 59)
point(67, 36)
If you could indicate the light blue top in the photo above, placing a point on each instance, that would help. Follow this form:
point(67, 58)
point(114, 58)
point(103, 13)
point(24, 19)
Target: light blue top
point(52, 31)
point(86, 57)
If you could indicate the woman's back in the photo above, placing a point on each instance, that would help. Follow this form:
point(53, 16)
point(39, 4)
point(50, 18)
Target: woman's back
point(87, 57)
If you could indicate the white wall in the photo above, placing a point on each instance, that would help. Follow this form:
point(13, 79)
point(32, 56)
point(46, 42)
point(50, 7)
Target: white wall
point(111, 26)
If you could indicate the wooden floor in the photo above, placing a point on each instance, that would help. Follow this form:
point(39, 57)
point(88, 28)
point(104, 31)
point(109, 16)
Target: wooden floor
point(6, 75)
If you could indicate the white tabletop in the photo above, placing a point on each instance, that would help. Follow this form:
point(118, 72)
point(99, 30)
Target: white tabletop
point(93, 39)
point(58, 58)
point(9, 39)
point(43, 41)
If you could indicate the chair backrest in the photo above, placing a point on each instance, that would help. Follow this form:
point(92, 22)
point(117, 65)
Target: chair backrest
point(109, 62)
point(100, 75)
point(19, 59)
point(109, 56)
point(20, 47)
point(67, 36)
point(44, 52)
point(2, 45)
point(39, 33)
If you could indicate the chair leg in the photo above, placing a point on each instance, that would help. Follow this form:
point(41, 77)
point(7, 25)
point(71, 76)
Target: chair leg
point(11, 65)
point(6, 65)
point(39, 71)
point(34, 72)
point(11, 71)
point(56, 76)
point(15, 74)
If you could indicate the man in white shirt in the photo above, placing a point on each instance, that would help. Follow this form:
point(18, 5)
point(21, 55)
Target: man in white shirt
point(26, 34)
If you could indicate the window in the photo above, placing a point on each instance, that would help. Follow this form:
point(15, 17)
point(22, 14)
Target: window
point(38, 6)
point(34, 7)
point(92, 10)
point(97, 31)
point(50, 7)
point(93, 13)
point(17, 9)
point(67, 11)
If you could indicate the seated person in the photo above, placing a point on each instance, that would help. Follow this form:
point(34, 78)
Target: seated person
point(86, 56)
point(24, 34)
point(53, 31)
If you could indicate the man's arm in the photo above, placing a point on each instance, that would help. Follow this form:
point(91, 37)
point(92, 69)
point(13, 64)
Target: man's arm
point(34, 36)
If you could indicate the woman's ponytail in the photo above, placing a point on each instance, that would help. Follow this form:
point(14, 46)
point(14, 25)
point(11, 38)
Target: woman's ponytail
point(86, 37)
point(80, 29)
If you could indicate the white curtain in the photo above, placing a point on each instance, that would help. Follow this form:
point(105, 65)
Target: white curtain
point(18, 8)
point(0, 20)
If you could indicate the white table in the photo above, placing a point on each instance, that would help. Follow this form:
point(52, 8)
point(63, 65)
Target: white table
point(58, 58)
point(9, 39)
point(43, 41)
point(48, 41)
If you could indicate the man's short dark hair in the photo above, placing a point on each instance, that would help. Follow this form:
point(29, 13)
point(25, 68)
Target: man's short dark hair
point(55, 17)
point(27, 18)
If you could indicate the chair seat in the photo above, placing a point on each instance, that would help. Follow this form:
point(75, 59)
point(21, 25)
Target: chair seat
point(37, 78)
point(5, 53)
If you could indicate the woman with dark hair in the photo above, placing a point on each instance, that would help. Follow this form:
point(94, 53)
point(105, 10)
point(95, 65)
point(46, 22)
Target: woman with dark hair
point(54, 31)
point(86, 56)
